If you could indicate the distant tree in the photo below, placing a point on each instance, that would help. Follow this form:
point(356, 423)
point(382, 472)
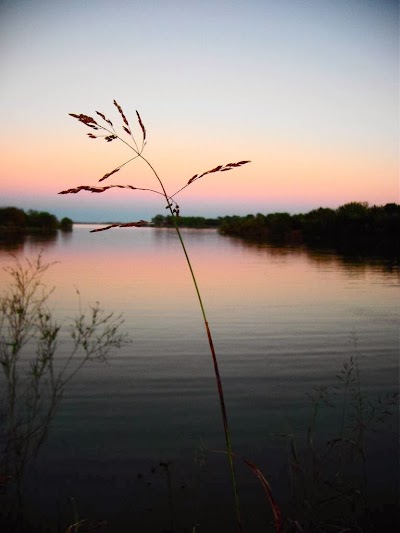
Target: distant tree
point(353, 210)
point(66, 224)
point(12, 218)
point(42, 220)
point(158, 220)
point(230, 225)
point(318, 226)
point(279, 226)
point(392, 209)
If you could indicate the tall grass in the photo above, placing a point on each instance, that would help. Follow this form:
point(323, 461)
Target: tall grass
point(105, 130)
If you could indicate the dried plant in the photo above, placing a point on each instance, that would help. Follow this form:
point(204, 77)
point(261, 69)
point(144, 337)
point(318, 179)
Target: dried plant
point(107, 131)
point(329, 475)
point(32, 380)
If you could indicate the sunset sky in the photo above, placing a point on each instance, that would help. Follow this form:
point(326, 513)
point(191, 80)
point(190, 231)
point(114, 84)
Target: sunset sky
point(305, 89)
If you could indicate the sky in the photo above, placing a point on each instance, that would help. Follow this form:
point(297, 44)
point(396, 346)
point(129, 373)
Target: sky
point(308, 90)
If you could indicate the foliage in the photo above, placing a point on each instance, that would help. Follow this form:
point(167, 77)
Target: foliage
point(12, 218)
point(15, 220)
point(185, 222)
point(66, 224)
point(354, 226)
point(41, 220)
point(32, 378)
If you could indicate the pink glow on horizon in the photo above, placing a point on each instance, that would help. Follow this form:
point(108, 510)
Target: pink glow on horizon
point(304, 175)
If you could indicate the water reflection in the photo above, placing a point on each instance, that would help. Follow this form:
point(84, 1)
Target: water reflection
point(26, 243)
point(10, 243)
point(322, 257)
point(140, 270)
point(165, 239)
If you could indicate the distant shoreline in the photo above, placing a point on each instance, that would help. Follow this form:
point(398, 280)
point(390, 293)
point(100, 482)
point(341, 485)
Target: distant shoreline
point(354, 227)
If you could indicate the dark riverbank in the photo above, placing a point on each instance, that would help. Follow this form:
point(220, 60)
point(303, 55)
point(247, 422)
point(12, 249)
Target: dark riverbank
point(352, 228)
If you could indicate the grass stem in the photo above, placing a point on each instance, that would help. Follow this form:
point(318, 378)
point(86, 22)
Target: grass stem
point(228, 439)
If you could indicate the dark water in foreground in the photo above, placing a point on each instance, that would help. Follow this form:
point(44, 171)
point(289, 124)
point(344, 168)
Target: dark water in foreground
point(283, 321)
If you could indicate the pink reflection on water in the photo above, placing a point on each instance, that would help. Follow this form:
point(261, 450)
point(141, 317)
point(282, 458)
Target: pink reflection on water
point(142, 271)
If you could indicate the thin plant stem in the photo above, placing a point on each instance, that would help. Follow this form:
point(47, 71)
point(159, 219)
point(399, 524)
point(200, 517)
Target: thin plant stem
point(213, 355)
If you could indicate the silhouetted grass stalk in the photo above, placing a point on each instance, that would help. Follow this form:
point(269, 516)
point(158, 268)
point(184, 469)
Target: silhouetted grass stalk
point(110, 135)
point(213, 355)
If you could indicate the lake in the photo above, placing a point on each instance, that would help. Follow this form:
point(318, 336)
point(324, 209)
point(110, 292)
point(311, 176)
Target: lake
point(135, 442)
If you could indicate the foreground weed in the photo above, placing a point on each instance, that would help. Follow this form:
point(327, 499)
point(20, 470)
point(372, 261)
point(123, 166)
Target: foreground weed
point(105, 130)
point(329, 475)
point(32, 378)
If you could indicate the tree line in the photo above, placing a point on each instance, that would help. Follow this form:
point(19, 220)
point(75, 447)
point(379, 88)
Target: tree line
point(352, 227)
point(161, 221)
point(16, 220)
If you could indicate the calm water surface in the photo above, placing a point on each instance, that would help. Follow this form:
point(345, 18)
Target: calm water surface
point(283, 321)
